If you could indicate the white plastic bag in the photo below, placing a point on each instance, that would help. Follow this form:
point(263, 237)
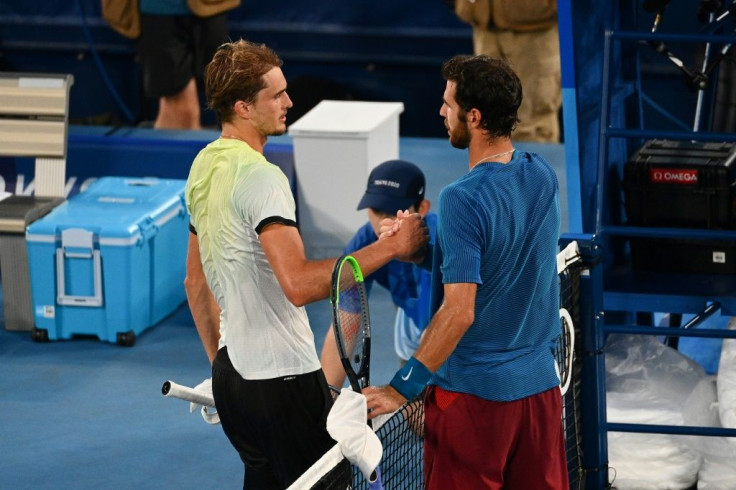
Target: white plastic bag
point(726, 382)
point(701, 409)
point(648, 383)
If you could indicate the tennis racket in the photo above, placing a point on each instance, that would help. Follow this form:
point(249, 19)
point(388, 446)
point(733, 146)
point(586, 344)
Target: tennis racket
point(351, 321)
point(352, 327)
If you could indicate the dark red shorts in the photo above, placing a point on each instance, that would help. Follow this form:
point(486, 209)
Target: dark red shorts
point(474, 443)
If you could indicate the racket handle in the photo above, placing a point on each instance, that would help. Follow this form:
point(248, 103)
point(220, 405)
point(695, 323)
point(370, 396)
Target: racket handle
point(374, 482)
point(174, 390)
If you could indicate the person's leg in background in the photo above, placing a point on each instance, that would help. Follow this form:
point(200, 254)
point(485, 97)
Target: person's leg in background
point(204, 36)
point(209, 34)
point(179, 111)
point(174, 51)
point(166, 63)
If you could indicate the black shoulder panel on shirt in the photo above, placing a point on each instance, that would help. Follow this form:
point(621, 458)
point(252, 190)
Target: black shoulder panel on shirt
point(274, 219)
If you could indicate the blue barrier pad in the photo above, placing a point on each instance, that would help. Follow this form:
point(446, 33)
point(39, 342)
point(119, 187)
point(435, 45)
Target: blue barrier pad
point(97, 151)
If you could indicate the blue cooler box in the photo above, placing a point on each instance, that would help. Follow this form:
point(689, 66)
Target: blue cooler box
point(110, 261)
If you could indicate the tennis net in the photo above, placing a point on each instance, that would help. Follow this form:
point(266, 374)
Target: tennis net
point(402, 464)
point(402, 433)
point(570, 267)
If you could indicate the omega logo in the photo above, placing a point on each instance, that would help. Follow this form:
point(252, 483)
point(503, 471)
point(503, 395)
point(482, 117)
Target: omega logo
point(673, 176)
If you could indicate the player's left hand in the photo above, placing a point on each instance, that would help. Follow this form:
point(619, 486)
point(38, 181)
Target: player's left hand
point(209, 414)
point(388, 227)
point(381, 400)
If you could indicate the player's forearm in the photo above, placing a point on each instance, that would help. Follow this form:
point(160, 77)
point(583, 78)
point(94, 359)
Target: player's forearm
point(330, 359)
point(374, 256)
point(207, 321)
point(307, 282)
point(205, 310)
point(444, 332)
point(310, 280)
point(442, 335)
point(206, 315)
point(302, 281)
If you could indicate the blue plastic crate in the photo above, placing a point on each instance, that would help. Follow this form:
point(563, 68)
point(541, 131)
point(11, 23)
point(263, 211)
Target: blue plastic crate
point(111, 261)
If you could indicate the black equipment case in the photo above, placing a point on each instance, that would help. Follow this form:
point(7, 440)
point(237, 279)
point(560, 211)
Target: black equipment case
point(682, 184)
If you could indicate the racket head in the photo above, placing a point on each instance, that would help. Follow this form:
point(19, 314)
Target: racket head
point(351, 320)
point(565, 350)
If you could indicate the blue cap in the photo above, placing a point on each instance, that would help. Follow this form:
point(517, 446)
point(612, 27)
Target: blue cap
point(392, 186)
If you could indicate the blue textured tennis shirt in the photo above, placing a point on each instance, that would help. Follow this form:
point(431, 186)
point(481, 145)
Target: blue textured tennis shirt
point(498, 227)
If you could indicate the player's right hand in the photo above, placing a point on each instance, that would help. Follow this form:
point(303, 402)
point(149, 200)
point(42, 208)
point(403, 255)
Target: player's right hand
point(413, 234)
point(382, 400)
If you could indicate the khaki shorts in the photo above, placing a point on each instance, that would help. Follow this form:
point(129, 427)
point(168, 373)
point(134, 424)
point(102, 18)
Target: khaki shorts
point(535, 57)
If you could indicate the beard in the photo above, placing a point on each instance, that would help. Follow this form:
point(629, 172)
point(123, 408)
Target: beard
point(460, 136)
point(278, 131)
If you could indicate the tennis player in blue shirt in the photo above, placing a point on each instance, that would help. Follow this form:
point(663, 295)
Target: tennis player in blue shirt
point(395, 185)
point(493, 408)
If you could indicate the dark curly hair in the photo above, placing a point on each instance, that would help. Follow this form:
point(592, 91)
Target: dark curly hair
point(489, 85)
point(236, 73)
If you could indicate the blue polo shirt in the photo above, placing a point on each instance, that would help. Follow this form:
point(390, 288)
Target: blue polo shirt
point(498, 228)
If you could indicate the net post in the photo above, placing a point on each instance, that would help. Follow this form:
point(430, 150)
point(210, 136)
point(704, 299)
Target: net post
point(593, 397)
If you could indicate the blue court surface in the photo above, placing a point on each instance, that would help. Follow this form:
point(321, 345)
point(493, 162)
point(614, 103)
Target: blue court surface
point(86, 414)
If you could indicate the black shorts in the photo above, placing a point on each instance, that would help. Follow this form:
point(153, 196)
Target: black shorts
point(173, 49)
point(277, 425)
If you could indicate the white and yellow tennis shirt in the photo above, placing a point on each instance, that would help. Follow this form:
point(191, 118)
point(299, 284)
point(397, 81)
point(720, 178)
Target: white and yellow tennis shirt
point(231, 193)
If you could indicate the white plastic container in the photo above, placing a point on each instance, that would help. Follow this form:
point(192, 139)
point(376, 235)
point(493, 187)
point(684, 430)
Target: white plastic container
point(336, 145)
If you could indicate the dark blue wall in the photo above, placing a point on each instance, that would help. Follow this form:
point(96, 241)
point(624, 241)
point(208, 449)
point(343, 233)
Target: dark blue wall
point(389, 50)
point(383, 50)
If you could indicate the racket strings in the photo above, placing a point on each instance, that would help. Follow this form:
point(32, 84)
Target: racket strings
point(350, 310)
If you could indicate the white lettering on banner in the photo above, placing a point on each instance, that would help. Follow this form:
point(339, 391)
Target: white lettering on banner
point(22, 190)
point(69, 185)
point(673, 176)
point(86, 183)
point(19, 191)
point(3, 192)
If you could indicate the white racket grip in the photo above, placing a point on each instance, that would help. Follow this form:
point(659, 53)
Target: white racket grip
point(174, 390)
